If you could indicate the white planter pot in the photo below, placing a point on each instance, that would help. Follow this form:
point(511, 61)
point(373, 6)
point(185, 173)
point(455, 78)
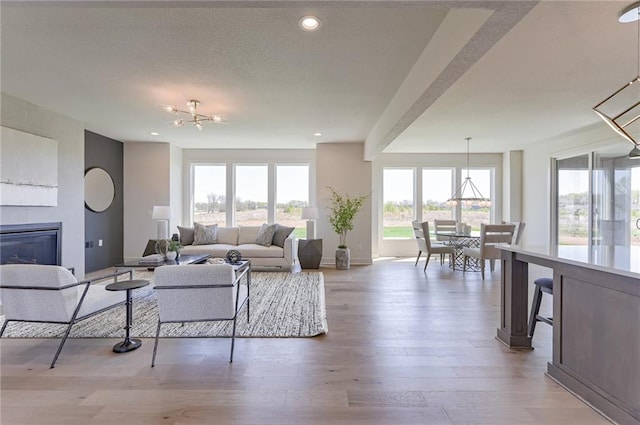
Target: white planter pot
point(171, 255)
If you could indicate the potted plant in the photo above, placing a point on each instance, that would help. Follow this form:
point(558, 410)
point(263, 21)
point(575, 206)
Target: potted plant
point(343, 210)
point(173, 250)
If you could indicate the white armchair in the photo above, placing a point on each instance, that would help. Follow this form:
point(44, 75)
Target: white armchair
point(51, 294)
point(200, 293)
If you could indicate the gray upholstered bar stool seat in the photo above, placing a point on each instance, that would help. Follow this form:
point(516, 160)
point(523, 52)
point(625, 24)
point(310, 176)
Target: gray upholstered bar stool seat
point(543, 285)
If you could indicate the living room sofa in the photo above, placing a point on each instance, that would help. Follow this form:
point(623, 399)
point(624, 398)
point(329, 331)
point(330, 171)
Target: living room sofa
point(243, 239)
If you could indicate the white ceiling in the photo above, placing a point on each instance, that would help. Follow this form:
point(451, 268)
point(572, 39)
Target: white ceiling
point(415, 76)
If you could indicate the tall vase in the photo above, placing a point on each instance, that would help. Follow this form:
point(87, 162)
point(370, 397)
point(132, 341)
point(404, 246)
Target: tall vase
point(343, 258)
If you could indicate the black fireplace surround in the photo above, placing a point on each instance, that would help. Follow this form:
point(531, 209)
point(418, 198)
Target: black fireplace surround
point(35, 243)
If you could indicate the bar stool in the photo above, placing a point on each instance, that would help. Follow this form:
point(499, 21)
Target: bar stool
point(543, 284)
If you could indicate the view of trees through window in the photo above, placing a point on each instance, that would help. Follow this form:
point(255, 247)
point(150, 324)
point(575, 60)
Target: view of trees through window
point(398, 184)
point(292, 194)
point(437, 187)
point(573, 201)
point(251, 195)
point(209, 194)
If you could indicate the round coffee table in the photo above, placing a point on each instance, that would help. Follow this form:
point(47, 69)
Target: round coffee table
point(128, 344)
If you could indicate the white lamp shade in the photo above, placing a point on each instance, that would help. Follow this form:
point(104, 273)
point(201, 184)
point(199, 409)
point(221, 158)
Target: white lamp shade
point(161, 213)
point(310, 213)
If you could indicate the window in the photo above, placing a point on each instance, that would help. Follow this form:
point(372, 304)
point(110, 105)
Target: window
point(573, 200)
point(398, 202)
point(209, 194)
point(292, 194)
point(251, 195)
point(477, 214)
point(437, 187)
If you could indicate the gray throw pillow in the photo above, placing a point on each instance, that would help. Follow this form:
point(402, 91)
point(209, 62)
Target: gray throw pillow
point(205, 235)
point(282, 233)
point(186, 235)
point(265, 234)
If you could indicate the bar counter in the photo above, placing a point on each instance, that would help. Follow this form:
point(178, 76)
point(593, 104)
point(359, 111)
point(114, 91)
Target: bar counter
point(596, 321)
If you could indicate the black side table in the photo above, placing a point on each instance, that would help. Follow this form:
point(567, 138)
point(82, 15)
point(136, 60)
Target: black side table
point(128, 344)
point(310, 253)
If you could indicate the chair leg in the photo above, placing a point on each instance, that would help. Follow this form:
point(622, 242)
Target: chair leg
point(426, 263)
point(64, 339)
point(233, 336)
point(418, 259)
point(155, 346)
point(464, 264)
point(492, 264)
point(441, 259)
point(482, 267)
point(535, 309)
point(4, 326)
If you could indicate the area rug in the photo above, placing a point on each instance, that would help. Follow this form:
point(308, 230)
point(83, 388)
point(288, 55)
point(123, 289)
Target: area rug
point(283, 305)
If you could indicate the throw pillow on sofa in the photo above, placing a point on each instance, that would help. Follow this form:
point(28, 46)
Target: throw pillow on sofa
point(265, 234)
point(186, 235)
point(205, 235)
point(282, 233)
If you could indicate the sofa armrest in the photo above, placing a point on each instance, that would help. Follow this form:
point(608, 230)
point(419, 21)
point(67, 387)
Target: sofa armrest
point(291, 249)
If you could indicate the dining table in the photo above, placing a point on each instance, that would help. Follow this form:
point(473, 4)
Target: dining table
point(460, 240)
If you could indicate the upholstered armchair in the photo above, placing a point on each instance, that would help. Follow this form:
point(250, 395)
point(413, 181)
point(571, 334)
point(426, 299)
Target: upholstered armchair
point(421, 232)
point(200, 293)
point(51, 294)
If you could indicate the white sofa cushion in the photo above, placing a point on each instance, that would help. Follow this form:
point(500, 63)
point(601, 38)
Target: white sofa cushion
point(228, 235)
point(248, 234)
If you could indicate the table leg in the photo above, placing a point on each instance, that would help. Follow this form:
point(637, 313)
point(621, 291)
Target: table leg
point(128, 344)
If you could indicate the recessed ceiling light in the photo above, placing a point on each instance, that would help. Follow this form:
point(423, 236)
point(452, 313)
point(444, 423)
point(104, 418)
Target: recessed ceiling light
point(318, 134)
point(630, 14)
point(154, 133)
point(309, 23)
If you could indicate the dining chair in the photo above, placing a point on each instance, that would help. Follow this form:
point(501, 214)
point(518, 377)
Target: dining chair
point(444, 226)
point(421, 232)
point(517, 231)
point(199, 293)
point(490, 236)
point(51, 294)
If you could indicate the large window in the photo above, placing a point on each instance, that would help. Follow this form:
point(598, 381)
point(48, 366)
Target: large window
point(437, 187)
point(292, 194)
point(209, 194)
point(398, 201)
point(247, 194)
point(251, 195)
point(476, 213)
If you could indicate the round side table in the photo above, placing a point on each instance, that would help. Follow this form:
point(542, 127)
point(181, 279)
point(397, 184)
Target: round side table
point(128, 344)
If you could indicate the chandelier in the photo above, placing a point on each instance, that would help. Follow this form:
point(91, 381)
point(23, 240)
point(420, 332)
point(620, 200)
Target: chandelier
point(468, 193)
point(622, 109)
point(193, 116)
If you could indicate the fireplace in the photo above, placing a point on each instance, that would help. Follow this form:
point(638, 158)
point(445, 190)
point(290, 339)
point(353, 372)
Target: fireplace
point(36, 243)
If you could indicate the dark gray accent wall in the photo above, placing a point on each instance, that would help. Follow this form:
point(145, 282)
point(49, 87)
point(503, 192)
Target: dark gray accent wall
point(108, 226)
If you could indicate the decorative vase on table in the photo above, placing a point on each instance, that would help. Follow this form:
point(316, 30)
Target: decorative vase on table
point(343, 258)
point(171, 255)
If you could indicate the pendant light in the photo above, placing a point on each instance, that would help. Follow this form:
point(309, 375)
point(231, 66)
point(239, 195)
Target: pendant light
point(468, 193)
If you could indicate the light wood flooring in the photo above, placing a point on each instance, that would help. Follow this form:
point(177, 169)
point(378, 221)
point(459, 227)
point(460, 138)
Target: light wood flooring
point(403, 347)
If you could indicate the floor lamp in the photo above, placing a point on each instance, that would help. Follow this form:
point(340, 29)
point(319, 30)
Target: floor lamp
point(310, 214)
point(163, 215)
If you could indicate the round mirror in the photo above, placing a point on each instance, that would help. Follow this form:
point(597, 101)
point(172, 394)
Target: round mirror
point(99, 190)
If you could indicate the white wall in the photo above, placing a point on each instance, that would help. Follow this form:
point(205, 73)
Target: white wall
point(24, 116)
point(176, 194)
point(147, 182)
point(340, 166)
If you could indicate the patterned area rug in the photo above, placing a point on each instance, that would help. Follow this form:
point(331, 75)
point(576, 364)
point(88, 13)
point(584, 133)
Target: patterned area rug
point(282, 305)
